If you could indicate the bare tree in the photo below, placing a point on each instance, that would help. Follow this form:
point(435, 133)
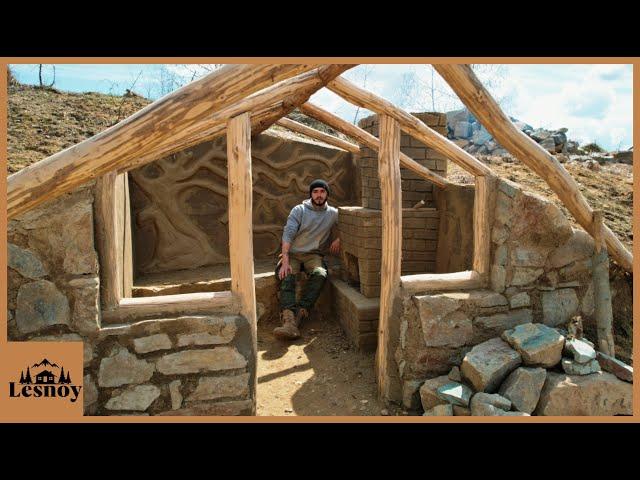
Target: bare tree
point(367, 69)
point(42, 84)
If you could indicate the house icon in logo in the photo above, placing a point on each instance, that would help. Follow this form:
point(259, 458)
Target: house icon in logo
point(45, 377)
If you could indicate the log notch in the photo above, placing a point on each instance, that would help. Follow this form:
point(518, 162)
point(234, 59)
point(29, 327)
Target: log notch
point(164, 122)
point(480, 102)
point(369, 140)
point(318, 135)
point(602, 289)
point(266, 107)
point(105, 229)
point(390, 301)
point(409, 124)
point(241, 227)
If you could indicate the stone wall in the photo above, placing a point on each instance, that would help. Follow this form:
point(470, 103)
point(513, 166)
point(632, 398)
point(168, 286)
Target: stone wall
point(361, 244)
point(540, 272)
point(414, 187)
point(180, 202)
point(189, 365)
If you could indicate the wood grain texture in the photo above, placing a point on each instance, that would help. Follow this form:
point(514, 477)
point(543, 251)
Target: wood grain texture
point(318, 135)
point(391, 191)
point(105, 230)
point(425, 282)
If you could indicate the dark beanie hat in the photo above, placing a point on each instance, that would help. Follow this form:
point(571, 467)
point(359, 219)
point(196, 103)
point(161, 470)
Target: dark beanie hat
point(319, 183)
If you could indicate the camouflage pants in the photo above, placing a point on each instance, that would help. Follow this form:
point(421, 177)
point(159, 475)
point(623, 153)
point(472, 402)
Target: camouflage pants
point(316, 269)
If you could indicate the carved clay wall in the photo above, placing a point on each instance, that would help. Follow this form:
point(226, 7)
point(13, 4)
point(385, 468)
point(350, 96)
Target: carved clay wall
point(180, 202)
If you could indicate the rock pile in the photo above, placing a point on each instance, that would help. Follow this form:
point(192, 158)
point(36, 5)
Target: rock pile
point(532, 369)
point(465, 130)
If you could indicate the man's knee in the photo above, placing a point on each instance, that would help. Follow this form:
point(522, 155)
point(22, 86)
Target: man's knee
point(289, 281)
point(319, 272)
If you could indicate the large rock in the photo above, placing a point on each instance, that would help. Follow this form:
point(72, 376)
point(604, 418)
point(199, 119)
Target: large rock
point(615, 366)
point(595, 394)
point(579, 246)
point(529, 256)
point(523, 388)
point(26, 263)
point(539, 345)
point(40, 305)
point(455, 393)
point(581, 351)
point(494, 325)
point(572, 367)
point(137, 398)
point(195, 361)
point(558, 306)
point(429, 392)
point(488, 363)
point(538, 222)
point(122, 368)
point(525, 275)
point(442, 322)
point(462, 130)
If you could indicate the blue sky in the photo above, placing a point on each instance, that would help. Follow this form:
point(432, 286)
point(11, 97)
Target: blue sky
point(595, 102)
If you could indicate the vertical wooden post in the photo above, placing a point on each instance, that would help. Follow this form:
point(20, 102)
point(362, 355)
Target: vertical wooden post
point(106, 221)
point(481, 228)
point(602, 289)
point(391, 193)
point(241, 228)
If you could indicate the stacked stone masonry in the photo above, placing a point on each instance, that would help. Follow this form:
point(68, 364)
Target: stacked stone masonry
point(414, 187)
point(540, 273)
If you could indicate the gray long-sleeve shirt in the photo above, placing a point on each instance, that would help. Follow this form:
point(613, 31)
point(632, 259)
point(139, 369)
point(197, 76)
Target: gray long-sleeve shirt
point(308, 228)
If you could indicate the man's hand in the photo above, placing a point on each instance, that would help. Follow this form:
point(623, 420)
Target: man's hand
point(285, 268)
point(335, 247)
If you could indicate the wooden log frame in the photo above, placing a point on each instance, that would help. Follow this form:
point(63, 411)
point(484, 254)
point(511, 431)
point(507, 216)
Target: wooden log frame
point(166, 122)
point(105, 221)
point(426, 282)
point(480, 102)
point(482, 226)
point(369, 140)
point(391, 194)
point(266, 107)
point(603, 310)
point(180, 304)
point(241, 225)
point(318, 135)
point(409, 124)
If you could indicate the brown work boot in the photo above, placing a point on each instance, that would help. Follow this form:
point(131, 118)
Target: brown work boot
point(302, 315)
point(289, 329)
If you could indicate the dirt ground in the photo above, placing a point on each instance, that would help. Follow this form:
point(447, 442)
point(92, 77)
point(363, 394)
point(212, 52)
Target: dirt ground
point(319, 374)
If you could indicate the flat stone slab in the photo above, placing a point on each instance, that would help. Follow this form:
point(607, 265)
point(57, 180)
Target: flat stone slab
point(137, 398)
point(439, 411)
point(212, 388)
point(576, 395)
point(429, 392)
point(558, 306)
point(523, 387)
point(493, 399)
point(538, 344)
point(195, 361)
point(488, 363)
point(443, 324)
point(455, 393)
point(580, 350)
point(25, 262)
point(152, 343)
point(571, 367)
point(123, 368)
point(615, 366)
point(40, 304)
point(493, 325)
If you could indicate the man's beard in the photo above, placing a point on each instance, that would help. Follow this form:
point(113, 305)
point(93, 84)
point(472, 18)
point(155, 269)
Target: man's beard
point(318, 204)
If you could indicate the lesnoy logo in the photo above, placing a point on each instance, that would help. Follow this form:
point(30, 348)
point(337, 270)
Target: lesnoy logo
point(45, 380)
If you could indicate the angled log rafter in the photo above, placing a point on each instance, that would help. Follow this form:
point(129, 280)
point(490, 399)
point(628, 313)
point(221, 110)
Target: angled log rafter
point(409, 124)
point(318, 135)
point(266, 107)
point(480, 102)
point(369, 140)
point(166, 122)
